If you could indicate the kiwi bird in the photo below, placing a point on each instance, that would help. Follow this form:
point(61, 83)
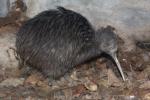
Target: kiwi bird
point(57, 40)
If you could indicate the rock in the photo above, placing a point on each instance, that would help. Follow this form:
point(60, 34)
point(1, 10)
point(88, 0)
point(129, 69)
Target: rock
point(90, 85)
point(74, 76)
point(88, 97)
point(12, 82)
point(147, 96)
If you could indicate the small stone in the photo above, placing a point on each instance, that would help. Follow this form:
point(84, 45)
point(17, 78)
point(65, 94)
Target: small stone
point(18, 9)
point(91, 86)
point(147, 96)
point(12, 82)
point(74, 76)
point(88, 97)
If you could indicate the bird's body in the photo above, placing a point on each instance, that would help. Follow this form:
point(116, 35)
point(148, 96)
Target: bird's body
point(55, 41)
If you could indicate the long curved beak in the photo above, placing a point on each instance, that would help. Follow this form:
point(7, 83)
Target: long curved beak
point(114, 56)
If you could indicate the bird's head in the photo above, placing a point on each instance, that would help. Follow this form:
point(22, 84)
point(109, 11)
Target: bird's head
point(107, 41)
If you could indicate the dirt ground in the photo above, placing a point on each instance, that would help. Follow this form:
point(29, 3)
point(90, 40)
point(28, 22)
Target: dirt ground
point(98, 79)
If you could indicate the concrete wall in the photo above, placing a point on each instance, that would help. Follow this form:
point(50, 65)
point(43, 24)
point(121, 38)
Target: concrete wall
point(4, 6)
